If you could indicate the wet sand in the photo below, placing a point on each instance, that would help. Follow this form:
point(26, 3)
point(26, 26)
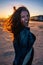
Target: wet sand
point(6, 45)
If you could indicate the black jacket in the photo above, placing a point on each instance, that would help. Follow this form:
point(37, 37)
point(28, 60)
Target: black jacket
point(22, 44)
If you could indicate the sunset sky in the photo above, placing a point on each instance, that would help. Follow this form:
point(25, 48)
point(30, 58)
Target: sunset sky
point(34, 6)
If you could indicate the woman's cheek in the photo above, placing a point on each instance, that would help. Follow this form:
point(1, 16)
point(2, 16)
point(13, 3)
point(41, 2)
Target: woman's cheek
point(22, 19)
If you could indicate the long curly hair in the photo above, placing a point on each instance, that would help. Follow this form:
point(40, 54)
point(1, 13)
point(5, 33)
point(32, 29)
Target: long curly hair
point(15, 20)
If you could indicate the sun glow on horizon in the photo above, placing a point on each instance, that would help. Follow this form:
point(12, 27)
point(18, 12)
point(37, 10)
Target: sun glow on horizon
point(5, 13)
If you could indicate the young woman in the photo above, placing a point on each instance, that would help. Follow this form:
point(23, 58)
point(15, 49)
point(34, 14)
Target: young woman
point(23, 38)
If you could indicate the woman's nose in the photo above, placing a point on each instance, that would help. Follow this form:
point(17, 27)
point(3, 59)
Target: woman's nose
point(26, 18)
point(26, 21)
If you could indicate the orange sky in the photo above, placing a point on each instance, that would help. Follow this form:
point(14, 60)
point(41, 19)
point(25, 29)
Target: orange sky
point(35, 7)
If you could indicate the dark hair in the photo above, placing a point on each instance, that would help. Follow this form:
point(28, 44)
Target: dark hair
point(16, 20)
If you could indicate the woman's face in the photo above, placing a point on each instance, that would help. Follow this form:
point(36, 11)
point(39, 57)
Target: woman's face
point(24, 18)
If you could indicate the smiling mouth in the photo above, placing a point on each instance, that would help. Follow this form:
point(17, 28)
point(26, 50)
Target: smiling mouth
point(26, 23)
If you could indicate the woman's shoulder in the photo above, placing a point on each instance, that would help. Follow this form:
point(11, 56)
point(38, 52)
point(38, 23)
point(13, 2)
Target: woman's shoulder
point(24, 34)
point(25, 30)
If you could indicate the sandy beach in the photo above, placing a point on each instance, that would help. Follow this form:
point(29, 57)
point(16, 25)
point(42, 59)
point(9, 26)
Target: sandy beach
point(6, 45)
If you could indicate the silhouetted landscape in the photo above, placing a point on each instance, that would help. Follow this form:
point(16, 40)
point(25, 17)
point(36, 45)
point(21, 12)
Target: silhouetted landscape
point(37, 18)
point(33, 18)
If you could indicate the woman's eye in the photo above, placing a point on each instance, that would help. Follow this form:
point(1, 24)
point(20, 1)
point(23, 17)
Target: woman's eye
point(27, 15)
point(22, 16)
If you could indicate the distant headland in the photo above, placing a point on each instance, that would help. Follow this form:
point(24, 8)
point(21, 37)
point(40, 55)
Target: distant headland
point(37, 18)
point(33, 18)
